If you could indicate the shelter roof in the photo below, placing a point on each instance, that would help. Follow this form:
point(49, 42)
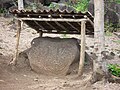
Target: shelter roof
point(56, 21)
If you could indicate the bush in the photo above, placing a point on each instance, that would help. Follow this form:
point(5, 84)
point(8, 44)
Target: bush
point(114, 69)
point(54, 6)
point(81, 5)
point(110, 27)
point(2, 10)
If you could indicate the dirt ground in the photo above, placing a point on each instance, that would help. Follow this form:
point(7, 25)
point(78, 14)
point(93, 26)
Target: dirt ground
point(25, 79)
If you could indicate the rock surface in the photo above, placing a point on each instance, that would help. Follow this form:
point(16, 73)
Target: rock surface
point(53, 56)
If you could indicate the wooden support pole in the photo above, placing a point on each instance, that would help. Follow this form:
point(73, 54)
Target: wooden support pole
point(40, 33)
point(82, 50)
point(13, 62)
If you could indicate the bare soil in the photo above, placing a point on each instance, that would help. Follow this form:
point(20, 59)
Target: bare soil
point(12, 78)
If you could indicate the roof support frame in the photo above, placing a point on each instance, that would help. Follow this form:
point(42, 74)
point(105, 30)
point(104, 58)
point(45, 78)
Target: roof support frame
point(83, 29)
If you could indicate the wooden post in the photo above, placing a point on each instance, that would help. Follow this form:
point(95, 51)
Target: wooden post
point(20, 5)
point(13, 62)
point(40, 33)
point(82, 50)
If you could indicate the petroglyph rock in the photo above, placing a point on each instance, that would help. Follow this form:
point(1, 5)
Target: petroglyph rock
point(53, 56)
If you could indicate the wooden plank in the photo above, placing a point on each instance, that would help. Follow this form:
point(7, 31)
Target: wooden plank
point(82, 50)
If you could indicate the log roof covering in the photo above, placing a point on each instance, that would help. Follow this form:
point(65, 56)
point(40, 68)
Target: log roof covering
point(56, 21)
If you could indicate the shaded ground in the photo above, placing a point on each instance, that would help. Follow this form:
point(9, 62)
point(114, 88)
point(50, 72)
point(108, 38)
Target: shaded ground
point(25, 79)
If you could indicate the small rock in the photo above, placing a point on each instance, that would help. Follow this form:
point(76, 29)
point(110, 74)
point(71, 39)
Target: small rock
point(24, 75)
point(15, 35)
point(112, 54)
point(109, 57)
point(36, 79)
point(2, 81)
point(0, 47)
point(105, 53)
point(93, 55)
point(1, 40)
point(87, 48)
point(65, 84)
point(106, 46)
point(1, 54)
point(92, 46)
point(33, 32)
point(119, 56)
point(16, 78)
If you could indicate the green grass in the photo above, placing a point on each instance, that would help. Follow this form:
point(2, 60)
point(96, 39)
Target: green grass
point(116, 41)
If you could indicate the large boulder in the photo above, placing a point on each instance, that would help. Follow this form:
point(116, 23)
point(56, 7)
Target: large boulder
point(53, 56)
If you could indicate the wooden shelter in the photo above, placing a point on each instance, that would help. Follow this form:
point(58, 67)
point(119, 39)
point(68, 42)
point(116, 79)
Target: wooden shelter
point(57, 22)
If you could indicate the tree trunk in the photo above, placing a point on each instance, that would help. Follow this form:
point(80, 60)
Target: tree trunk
point(20, 5)
point(99, 64)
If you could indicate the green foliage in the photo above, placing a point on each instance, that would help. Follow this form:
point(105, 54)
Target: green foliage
point(114, 69)
point(117, 1)
point(81, 5)
point(109, 27)
point(32, 6)
point(116, 41)
point(2, 10)
point(108, 33)
point(53, 6)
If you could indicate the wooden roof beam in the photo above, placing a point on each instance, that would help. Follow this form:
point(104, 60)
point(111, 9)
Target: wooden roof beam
point(53, 19)
point(51, 26)
point(39, 25)
point(60, 25)
point(72, 26)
